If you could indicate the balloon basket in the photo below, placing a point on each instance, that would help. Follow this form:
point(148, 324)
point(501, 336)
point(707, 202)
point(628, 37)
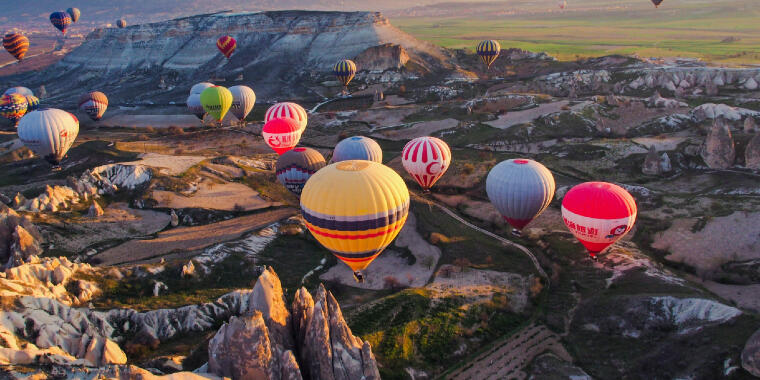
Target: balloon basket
point(359, 277)
point(516, 232)
point(56, 168)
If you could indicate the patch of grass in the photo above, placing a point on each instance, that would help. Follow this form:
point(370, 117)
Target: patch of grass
point(267, 185)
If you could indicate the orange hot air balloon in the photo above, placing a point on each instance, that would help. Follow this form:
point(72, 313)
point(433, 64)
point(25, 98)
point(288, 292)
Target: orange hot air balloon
point(226, 45)
point(16, 44)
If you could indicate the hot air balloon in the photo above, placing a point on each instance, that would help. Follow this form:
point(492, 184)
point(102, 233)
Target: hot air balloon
point(216, 101)
point(281, 134)
point(13, 107)
point(357, 148)
point(488, 51)
point(345, 70)
point(296, 166)
point(199, 87)
point(656, 3)
point(562, 4)
point(121, 23)
point(289, 110)
point(94, 104)
point(32, 103)
point(521, 190)
point(19, 90)
point(61, 21)
point(243, 99)
point(74, 13)
point(226, 45)
point(426, 159)
point(195, 106)
point(49, 133)
point(598, 214)
point(342, 215)
point(16, 44)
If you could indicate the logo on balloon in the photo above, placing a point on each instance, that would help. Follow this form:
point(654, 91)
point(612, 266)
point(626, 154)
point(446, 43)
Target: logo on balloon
point(434, 168)
point(274, 141)
point(617, 231)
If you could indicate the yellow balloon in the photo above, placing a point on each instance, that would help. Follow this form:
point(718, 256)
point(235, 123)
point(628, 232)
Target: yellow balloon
point(216, 101)
point(355, 209)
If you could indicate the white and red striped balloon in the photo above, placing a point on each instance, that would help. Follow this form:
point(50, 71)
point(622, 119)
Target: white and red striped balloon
point(598, 214)
point(289, 110)
point(281, 134)
point(426, 159)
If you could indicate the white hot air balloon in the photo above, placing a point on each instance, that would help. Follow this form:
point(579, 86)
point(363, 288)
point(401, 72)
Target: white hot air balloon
point(19, 90)
point(289, 110)
point(426, 159)
point(49, 133)
point(199, 87)
point(195, 106)
point(243, 99)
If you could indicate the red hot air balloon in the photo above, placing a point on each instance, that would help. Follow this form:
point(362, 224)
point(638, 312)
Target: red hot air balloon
point(598, 214)
point(226, 45)
point(281, 134)
point(426, 159)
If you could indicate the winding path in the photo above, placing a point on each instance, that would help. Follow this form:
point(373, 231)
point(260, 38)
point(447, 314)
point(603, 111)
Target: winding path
point(504, 241)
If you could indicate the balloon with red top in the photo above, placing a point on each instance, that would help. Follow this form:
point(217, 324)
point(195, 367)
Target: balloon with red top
point(598, 214)
point(226, 45)
point(281, 134)
point(426, 159)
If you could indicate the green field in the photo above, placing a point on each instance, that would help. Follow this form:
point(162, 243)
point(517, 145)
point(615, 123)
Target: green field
point(719, 31)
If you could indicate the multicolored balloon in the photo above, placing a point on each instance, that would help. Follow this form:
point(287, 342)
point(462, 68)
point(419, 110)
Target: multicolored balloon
point(281, 134)
point(426, 159)
point(32, 103)
point(488, 51)
point(520, 189)
point(195, 106)
point(357, 148)
point(345, 70)
point(121, 23)
point(19, 90)
point(296, 166)
point(16, 44)
point(243, 100)
point(289, 110)
point(49, 133)
point(216, 101)
point(562, 4)
point(74, 13)
point(61, 21)
point(13, 107)
point(355, 227)
point(226, 45)
point(598, 214)
point(199, 87)
point(94, 104)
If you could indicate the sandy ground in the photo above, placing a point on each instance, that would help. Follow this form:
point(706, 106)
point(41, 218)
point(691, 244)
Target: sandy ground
point(521, 117)
point(390, 263)
point(118, 222)
point(191, 238)
point(385, 116)
point(226, 196)
point(144, 121)
point(172, 165)
point(425, 128)
point(635, 114)
point(723, 239)
point(480, 285)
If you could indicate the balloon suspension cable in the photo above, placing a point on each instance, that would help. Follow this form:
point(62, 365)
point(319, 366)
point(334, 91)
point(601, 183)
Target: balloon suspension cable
point(359, 277)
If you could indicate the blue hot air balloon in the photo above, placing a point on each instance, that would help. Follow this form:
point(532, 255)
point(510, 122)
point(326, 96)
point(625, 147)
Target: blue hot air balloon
point(520, 189)
point(357, 148)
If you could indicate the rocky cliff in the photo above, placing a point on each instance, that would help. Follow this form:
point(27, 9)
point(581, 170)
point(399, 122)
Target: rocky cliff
point(272, 47)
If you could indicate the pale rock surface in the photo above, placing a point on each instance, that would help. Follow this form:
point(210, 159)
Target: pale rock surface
point(19, 238)
point(717, 111)
point(751, 355)
point(95, 210)
point(718, 151)
point(752, 153)
point(749, 125)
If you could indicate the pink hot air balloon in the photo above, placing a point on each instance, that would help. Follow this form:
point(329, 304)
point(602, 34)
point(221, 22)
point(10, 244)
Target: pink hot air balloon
point(598, 214)
point(426, 159)
point(281, 134)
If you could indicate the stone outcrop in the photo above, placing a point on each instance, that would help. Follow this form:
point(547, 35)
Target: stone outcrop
point(382, 57)
point(718, 151)
point(19, 239)
point(752, 153)
point(655, 164)
point(241, 349)
point(749, 125)
point(711, 111)
point(657, 101)
point(751, 355)
point(95, 210)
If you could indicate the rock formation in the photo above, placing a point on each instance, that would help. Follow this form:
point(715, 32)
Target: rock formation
point(655, 164)
point(382, 57)
point(95, 210)
point(749, 125)
point(718, 151)
point(19, 239)
point(713, 111)
point(174, 219)
point(751, 355)
point(752, 153)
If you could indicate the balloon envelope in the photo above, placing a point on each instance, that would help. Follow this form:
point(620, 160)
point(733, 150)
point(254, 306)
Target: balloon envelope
point(16, 44)
point(488, 51)
point(94, 104)
point(357, 148)
point(61, 21)
point(49, 133)
point(32, 103)
point(520, 189)
point(122, 23)
point(598, 214)
point(281, 134)
point(355, 227)
point(216, 101)
point(199, 87)
point(226, 45)
point(345, 70)
point(289, 110)
point(243, 99)
point(426, 159)
point(195, 106)
point(656, 3)
point(74, 13)
point(19, 90)
point(13, 107)
point(296, 166)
